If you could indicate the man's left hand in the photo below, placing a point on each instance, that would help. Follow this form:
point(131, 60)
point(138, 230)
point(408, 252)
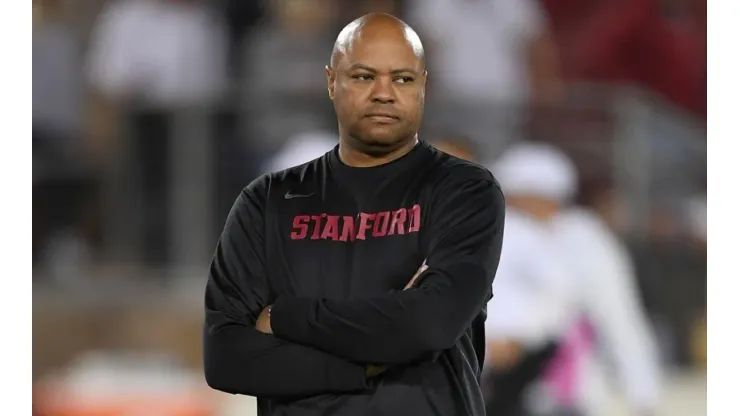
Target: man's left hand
point(263, 321)
point(421, 270)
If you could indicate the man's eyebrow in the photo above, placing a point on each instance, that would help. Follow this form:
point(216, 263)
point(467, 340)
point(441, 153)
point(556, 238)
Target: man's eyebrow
point(373, 70)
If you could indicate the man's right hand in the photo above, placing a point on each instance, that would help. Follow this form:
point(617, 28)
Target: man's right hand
point(374, 370)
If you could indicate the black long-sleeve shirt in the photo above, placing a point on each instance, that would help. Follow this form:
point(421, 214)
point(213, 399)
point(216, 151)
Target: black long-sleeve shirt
point(332, 247)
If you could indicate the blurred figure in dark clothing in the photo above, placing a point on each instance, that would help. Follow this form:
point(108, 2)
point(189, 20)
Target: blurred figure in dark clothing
point(241, 18)
point(63, 185)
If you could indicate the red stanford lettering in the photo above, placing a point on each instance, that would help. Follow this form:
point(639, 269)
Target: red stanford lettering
point(361, 227)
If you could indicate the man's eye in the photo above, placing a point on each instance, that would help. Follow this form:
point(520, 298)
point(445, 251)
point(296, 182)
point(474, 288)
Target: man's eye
point(404, 80)
point(363, 77)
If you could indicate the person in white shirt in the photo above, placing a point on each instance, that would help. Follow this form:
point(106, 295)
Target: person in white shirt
point(166, 53)
point(564, 280)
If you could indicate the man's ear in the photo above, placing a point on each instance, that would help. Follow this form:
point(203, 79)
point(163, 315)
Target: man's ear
point(424, 77)
point(331, 77)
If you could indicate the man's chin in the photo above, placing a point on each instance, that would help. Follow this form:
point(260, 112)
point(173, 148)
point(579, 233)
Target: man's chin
point(382, 136)
point(379, 145)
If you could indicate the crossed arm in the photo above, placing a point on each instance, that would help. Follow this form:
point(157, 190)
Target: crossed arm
point(239, 359)
point(318, 342)
point(462, 251)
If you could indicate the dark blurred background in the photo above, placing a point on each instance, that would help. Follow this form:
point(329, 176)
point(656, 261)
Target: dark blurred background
point(149, 116)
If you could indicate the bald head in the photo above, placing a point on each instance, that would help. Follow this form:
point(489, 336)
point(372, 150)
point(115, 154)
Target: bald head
point(376, 80)
point(375, 27)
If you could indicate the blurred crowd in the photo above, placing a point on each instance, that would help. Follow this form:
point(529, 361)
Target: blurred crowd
point(149, 116)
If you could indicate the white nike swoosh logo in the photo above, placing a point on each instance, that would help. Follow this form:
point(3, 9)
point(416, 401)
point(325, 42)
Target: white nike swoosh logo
point(290, 195)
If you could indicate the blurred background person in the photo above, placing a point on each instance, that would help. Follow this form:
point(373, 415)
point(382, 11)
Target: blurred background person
point(150, 62)
point(150, 115)
point(63, 184)
point(492, 59)
point(563, 289)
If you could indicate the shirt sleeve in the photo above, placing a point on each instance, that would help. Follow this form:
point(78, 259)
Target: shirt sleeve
point(239, 359)
point(613, 305)
point(462, 248)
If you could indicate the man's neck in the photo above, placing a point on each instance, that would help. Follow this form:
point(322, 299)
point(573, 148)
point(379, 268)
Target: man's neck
point(354, 157)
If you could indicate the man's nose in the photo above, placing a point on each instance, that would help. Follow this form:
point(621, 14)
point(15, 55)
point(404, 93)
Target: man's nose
point(383, 91)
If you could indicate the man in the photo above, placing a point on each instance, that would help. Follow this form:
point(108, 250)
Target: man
point(546, 306)
point(309, 306)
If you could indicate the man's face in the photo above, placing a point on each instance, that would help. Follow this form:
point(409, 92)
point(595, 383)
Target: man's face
point(378, 90)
